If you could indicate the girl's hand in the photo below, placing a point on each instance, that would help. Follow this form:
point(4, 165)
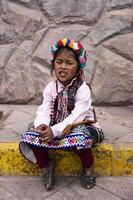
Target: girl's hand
point(40, 128)
point(46, 133)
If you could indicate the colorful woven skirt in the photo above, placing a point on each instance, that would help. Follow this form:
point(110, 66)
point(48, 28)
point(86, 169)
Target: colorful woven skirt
point(81, 137)
point(72, 140)
point(77, 138)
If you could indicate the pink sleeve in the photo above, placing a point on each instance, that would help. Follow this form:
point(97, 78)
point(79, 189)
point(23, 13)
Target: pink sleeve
point(44, 110)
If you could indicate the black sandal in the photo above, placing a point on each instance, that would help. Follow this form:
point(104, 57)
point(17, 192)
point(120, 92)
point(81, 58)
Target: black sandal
point(88, 182)
point(48, 178)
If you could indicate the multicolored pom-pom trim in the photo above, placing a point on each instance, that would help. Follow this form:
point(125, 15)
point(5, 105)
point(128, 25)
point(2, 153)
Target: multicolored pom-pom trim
point(76, 46)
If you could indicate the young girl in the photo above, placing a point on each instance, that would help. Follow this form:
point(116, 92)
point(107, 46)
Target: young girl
point(66, 118)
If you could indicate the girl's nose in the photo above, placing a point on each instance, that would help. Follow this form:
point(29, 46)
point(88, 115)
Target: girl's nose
point(63, 65)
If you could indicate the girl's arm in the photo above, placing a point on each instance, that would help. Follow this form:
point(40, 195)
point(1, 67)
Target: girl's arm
point(78, 114)
point(43, 112)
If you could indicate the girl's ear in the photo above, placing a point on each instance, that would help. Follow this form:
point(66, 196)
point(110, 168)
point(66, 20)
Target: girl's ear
point(81, 73)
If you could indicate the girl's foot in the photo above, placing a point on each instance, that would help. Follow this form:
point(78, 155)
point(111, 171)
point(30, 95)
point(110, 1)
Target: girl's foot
point(88, 179)
point(48, 177)
point(88, 182)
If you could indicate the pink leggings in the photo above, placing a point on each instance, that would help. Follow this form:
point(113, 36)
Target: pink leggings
point(43, 159)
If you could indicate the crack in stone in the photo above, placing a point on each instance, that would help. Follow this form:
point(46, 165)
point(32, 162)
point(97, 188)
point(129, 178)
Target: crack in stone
point(45, 13)
point(120, 7)
point(54, 192)
point(5, 117)
point(121, 32)
point(3, 10)
point(116, 195)
point(45, 32)
point(79, 22)
point(10, 192)
point(42, 62)
point(117, 51)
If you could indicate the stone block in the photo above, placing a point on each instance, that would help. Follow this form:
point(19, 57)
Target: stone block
point(111, 23)
point(72, 11)
point(112, 83)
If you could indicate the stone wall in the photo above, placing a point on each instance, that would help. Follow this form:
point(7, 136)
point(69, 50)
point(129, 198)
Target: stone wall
point(28, 28)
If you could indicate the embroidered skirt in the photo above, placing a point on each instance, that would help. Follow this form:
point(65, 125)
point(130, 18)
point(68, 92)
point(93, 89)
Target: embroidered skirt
point(81, 137)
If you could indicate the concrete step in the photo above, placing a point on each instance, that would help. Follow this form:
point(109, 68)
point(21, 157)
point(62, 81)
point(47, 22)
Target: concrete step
point(31, 188)
point(112, 157)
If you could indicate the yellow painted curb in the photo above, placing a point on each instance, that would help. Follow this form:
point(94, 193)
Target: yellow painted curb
point(12, 162)
point(109, 160)
point(123, 160)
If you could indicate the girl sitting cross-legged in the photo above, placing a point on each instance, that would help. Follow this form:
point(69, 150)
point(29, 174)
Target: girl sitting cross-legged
point(66, 118)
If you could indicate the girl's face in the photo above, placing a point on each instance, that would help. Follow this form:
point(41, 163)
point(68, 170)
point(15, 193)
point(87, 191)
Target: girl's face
point(65, 66)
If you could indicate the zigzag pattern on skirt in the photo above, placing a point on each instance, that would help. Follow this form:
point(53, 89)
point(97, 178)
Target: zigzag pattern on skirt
point(72, 140)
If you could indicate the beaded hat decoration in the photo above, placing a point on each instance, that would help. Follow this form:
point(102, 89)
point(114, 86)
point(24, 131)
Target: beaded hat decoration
point(76, 46)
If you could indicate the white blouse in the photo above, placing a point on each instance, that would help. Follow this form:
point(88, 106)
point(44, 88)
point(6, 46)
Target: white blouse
point(82, 110)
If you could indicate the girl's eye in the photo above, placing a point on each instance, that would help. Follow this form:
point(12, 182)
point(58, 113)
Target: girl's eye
point(70, 63)
point(67, 62)
point(58, 61)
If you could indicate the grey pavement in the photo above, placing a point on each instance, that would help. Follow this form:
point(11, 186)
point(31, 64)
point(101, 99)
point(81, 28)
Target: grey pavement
point(66, 188)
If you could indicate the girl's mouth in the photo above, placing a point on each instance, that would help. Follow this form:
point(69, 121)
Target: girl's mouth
point(62, 74)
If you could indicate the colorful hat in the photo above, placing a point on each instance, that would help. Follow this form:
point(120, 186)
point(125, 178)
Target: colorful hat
point(76, 46)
